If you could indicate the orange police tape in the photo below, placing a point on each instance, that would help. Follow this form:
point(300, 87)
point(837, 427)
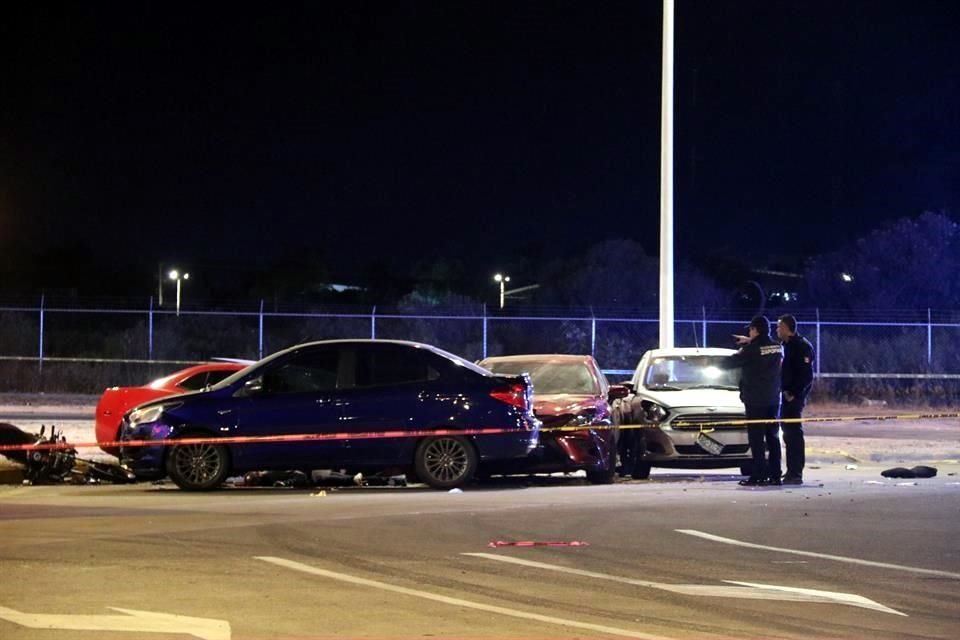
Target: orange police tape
point(371, 435)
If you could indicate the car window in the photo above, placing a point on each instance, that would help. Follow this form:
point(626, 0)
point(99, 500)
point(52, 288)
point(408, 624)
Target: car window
point(195, 382)
point(305, 372)
point(386, 365)
point(213, 377)
point(687, 372)
point(551, 377)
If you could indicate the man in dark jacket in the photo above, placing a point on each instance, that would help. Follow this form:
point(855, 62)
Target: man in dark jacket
point(797, 379)
point(760, 359)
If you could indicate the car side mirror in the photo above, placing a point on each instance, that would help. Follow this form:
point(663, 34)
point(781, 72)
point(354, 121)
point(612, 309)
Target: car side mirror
point(252, 387)
point(617, 391)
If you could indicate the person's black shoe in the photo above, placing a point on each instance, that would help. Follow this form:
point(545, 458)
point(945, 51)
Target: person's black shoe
point(750, 482)
point(771, 482)
point(794, 480)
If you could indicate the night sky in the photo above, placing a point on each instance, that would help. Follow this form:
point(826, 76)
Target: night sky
point(388, 133)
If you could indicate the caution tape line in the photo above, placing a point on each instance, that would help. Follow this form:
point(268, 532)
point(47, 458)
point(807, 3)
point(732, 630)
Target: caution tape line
point(705, 427)
point(281, 439)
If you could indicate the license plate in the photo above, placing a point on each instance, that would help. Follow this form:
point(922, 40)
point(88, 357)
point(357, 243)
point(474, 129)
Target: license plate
point(708, 444)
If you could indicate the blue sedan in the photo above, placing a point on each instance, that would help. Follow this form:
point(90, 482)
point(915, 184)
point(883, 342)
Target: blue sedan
point(385, 393)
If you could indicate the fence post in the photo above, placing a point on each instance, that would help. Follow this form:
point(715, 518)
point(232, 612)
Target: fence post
point(818, 341)
point(150, 330)
point(373, 323)
point(42, 297)
point(484, 330)
point(703, 312)
point(593, 333)
point(929, 339)
point(260, 334)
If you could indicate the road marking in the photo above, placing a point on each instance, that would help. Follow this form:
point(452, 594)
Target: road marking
point(457, 602)
point(825, 556)
point(136, 621)
point(747, 590)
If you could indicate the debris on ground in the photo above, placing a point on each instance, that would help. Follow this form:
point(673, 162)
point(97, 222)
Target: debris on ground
point(320, 478)
point(851, 467)
point(919, 471)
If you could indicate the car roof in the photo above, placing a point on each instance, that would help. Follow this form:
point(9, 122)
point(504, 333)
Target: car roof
point(540, 357)
point(459, 360)
point(690, 351)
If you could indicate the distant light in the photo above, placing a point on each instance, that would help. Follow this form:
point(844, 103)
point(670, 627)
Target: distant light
point(712, 372)
point(846, 277)
point(174, 274)
point(498, 277)
point(186, 276)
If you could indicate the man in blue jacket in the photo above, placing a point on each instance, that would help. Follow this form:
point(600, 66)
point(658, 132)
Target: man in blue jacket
point(797, 379)
point(760, 360)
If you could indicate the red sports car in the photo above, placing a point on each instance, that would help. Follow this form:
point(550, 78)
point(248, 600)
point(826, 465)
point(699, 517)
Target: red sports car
point(116, 401)
point(568, 391)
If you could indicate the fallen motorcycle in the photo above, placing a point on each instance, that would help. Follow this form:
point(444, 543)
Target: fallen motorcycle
point(49, 459)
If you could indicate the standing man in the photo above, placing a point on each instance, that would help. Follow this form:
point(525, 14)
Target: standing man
point(797, 379)
point(760, 359)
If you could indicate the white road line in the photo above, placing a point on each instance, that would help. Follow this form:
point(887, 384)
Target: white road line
point(825, 556)
point(134, 621)
point(457, 602)
point(746, 590)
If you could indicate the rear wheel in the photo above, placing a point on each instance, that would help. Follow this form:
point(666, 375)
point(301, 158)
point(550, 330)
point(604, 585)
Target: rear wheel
point(198, 467)
point(445, 462)
point(641, 471)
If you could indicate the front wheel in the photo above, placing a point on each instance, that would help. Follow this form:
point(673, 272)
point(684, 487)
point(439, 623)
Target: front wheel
point(198, 467)
point(445, 462)
point(608, 474)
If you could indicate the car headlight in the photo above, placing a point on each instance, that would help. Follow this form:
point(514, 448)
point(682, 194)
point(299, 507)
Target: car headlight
point(653, 412)
point(151, 413)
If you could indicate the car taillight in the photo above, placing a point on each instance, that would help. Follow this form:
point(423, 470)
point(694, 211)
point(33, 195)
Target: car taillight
point(514, 395)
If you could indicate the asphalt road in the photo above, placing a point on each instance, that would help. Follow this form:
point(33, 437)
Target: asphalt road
point(391, 564)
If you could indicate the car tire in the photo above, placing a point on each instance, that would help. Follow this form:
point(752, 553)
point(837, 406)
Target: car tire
point(198, 467)
point(641, 471)
point(608, 474)
point(445, 462)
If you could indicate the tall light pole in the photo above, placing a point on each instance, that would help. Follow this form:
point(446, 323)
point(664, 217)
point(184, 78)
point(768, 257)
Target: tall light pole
point(666, 181)
point(178, 277)
point(503, 280)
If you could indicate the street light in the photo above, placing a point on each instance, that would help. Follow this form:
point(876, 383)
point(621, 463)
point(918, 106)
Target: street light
point(503, 280)
point(177, 276)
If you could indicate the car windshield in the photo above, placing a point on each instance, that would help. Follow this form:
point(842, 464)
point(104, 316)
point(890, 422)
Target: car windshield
point(689, 372)
point(551, 377)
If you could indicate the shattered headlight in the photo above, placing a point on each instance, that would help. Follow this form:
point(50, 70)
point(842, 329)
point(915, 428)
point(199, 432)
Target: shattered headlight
point(653, 412)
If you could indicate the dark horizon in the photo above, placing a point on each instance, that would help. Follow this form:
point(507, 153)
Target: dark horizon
point(383, 136)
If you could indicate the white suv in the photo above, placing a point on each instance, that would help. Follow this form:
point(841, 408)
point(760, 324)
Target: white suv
point(675, 394)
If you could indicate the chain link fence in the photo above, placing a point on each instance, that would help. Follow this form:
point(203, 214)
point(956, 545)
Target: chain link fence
point(82, 349)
